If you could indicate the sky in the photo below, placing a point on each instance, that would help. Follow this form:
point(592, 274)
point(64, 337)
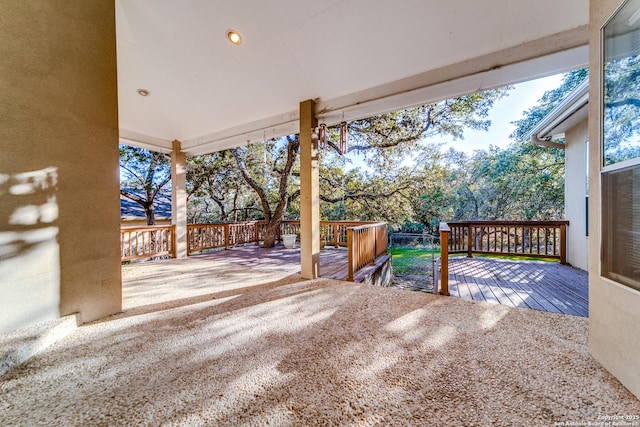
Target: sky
point(504, 111)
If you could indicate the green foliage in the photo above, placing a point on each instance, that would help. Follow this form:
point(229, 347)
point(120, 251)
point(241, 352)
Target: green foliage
point(217, 192)
point(545, 104)
point(393, 173)
point(622, 109)
point(389, 188)
point(521, 182)
point(412, 227)
point(143, 169)
point(401, 252)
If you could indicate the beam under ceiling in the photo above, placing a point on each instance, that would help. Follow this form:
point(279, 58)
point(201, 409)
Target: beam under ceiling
point(543, 57)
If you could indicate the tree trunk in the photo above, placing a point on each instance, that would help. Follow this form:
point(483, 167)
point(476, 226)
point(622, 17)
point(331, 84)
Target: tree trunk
point(272, 230)
point(235, 206)
point(273, 218)
point(149, 212)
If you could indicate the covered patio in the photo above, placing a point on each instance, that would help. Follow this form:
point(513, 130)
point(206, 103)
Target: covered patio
point(545, 286)
point(81, 77)
point(164, 281)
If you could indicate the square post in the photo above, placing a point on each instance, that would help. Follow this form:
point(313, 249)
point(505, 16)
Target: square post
point(172, 238)
point(351, 254)
point(256, 227)
point(444, 258)
point(226, 237)
point(563, 244)
point(60, 232)
point(179, 199)
point(309, 194)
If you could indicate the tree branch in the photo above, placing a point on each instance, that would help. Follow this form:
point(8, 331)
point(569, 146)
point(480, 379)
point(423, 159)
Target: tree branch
point(362, 196)
point(262, 195)
point(135, 176)
point(159, 187)
point(293, 196)
point(134, 197)
point(292, 153)
point(629, 101)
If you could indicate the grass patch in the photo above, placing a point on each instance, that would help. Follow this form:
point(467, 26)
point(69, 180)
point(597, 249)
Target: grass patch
point(413, 252)
point(412, 260)
point(405, 256)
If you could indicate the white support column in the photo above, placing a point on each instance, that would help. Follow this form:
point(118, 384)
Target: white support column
point(179, 198)
point(309, 194)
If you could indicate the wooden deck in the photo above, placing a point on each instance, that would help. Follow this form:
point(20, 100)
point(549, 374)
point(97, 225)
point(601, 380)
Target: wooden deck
point(538, 285)
point(543, 286)
point(333, 262)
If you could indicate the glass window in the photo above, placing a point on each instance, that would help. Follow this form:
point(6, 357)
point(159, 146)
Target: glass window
point(620, 257)
point(621, 84)
point(621, 226)
point(586, 188)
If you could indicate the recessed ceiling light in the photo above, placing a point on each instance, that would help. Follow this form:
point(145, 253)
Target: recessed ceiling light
point(143, 92)
point(234, 37)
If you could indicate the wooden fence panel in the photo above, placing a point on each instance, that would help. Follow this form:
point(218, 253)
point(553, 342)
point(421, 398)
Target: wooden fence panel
point(147, 242)
point(364, 244)
point(544, 239)
point(365, 241)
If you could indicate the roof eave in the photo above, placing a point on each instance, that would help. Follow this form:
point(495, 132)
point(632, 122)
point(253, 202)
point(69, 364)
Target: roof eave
point(542, 133)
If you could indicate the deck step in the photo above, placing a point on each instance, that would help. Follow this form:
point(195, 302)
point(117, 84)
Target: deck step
point(16, 347)
point(378, 274)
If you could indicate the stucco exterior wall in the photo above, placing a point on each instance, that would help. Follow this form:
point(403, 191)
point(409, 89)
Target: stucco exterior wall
point(614, 310)
point(575, 194)
point(59, 200)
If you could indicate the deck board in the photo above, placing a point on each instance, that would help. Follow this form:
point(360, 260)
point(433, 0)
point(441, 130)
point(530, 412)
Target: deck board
point(532, 284)
point(487, 292)
point(557, 293)
point(333, 262)
point(497, 291)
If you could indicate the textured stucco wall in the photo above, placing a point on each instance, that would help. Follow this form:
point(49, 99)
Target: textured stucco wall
point(614, 310)
point(59, 202)
point(575, 192)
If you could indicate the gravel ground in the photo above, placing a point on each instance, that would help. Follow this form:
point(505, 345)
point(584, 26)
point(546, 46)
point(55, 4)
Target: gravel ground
point(322, 352)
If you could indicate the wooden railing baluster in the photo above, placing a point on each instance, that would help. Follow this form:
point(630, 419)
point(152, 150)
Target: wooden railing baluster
point(563, 244)
point(365, 243)
point(147, 242)
point(482, 238)
point(542, 239)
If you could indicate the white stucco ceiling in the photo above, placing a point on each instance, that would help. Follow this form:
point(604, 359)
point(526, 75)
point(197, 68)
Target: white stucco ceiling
point(355, 57)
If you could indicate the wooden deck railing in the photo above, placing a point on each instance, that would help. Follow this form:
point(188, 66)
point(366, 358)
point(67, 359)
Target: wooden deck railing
point(541, 239)
point(332, 233)
point(146, 242)
point(201, 237)
point(365, 243)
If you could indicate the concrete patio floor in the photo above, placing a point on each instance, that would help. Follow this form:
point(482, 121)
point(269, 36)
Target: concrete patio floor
point(157, 282)
point(257, 345)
